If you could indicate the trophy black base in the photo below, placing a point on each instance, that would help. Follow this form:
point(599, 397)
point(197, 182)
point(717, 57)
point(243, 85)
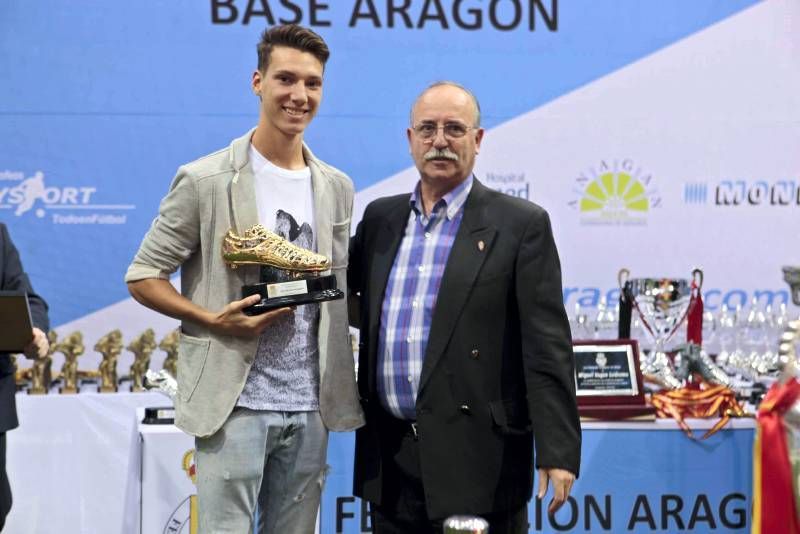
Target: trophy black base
point(291, 293)
point(159, 416)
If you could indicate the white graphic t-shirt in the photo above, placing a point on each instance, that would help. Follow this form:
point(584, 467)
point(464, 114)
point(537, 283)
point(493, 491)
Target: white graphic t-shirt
point(285, 373)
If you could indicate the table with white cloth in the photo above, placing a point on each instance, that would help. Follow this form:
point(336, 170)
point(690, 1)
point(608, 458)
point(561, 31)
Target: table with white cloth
point(73, 463)
point(84, 464)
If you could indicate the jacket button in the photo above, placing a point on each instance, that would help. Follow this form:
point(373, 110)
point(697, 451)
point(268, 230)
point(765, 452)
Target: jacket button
point(465, 409)
point(474, 354)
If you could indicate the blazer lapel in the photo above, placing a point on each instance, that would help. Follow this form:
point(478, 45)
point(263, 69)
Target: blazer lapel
point(243, 200)
point(472, 245)
point(323, 206)
point(243, 208)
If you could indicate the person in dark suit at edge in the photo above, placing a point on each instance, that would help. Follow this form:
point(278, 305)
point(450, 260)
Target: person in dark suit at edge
point(465, 354)
point(13, 278)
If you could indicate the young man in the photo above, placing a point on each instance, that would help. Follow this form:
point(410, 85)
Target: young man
point(466, 358)
point(259, 392)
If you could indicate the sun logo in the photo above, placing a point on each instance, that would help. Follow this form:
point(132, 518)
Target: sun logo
point(615, 192)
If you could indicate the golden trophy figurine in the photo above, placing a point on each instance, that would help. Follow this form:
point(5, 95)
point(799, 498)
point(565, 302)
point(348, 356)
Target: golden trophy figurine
point(41, 371)
point(21, 376)
point(110, 346)
point(141, 347)
point(170, 345)
point(71, 347)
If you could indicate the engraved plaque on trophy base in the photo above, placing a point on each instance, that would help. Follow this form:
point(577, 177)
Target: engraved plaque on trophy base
point(280, 288)
point(159, 416)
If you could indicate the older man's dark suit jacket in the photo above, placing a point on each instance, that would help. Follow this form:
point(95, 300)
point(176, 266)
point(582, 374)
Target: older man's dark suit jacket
point(13, 278)
point(498, 370)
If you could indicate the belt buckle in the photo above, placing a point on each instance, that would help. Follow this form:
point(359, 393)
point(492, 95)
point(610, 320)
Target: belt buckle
point(414, 430)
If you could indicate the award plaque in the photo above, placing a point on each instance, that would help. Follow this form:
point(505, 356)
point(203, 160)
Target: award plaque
point(289, 275)
point(608, 380)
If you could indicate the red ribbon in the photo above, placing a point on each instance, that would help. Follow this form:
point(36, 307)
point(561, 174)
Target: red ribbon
point(702, 401)
point(775, 495)
point(694, 321)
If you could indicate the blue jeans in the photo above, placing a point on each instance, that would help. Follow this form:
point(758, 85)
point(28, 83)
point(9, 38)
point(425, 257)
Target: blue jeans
point(275, 460)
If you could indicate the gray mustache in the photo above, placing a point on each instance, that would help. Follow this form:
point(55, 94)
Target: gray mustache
point(444, 153)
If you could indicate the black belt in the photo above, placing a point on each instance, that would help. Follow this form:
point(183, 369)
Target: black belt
point(401, 426)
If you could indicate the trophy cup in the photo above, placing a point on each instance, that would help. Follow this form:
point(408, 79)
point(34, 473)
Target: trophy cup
point(290, 275)
point(71, 347)
point(141, 347)
point(662, 305)
point(164, 381)
point(789, 346)
point(42, 369)
point(110, 346)
point(170, 345)
point(792, 277)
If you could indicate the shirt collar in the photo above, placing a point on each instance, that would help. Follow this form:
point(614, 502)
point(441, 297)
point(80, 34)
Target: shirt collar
point(453, 200)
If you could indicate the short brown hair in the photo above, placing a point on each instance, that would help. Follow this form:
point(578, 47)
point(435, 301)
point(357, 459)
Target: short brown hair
point(292, 36)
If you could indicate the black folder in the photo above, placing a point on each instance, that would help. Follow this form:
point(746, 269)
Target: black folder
point(16, 327)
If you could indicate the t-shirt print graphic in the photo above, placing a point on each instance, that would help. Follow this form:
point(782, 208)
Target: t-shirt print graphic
point(285, 373)
point(286, 226)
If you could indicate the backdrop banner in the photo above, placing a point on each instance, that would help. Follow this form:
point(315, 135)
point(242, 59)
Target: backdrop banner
point(660, 136)
point(630, 483)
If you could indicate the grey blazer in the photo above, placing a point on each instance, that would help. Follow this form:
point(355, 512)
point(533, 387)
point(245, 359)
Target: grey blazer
point(207, 197)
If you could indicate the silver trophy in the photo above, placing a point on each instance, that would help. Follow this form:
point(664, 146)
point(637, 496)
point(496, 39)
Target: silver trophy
point(792, 277)
point(463, 524)
point(161, 381)
point(662, 305)
point(789, 345)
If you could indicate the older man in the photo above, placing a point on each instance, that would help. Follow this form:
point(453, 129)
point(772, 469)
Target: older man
point(465, 358)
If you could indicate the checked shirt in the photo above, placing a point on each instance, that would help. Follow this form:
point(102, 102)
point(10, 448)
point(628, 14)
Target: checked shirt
point(410, 298)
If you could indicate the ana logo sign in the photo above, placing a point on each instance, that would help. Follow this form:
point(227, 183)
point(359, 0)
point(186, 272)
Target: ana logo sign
point(615, 192)
point(72, 203)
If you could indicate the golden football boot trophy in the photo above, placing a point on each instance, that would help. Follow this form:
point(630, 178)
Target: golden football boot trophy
point(290, 275)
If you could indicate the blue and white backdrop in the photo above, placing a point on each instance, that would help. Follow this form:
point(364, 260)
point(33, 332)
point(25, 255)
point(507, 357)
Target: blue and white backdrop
point(659, 135)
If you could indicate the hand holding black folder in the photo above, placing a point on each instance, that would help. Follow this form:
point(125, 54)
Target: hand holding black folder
point(16, 327)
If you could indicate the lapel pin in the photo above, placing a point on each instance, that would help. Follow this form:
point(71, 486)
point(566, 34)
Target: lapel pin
point(481, 245)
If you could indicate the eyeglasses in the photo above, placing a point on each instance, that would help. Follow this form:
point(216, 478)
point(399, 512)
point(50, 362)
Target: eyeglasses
point(452, 130)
